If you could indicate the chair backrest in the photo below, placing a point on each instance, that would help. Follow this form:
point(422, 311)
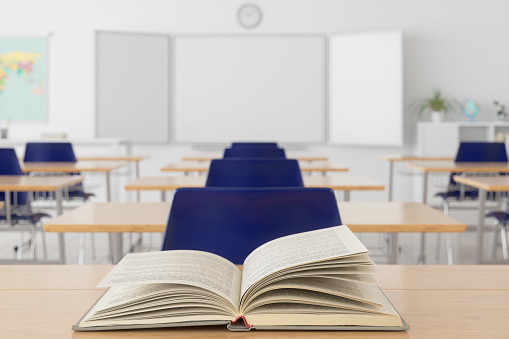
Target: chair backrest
point(254, 172)
point(9, 165)
point(232, 222)
point(265, 152)
point(254, 145)
point(481, 152)
point(49, 151)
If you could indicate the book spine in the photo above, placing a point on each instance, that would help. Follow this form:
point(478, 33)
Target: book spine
point(243, 320)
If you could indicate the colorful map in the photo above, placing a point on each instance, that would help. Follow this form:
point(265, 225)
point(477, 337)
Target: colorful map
point(23, 79)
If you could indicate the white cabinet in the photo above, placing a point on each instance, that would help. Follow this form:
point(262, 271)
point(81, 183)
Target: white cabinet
point(442, 139)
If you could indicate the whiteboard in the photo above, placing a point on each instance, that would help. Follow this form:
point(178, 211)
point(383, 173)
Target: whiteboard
point(249, 88)
point(132, 86)
point(366, 89)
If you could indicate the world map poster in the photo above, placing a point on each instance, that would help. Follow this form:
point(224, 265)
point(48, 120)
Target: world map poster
point(23, 73)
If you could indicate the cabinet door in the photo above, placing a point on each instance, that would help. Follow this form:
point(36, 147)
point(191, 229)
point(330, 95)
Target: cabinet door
point(437, 139)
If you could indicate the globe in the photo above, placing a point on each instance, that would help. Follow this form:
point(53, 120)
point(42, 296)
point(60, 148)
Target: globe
point(470, 109)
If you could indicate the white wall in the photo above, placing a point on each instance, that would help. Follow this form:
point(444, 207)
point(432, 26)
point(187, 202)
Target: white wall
point(458, 45)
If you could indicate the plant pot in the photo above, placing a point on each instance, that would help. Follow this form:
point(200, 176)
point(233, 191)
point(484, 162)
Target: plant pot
point(437, 117)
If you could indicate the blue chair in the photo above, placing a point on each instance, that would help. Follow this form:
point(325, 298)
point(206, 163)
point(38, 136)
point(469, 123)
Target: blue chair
point(258, 172)
point(254, 153)
point(232, 222)
point(21, 211)
point(469, 152)
point(55, 152)
point(254, 145)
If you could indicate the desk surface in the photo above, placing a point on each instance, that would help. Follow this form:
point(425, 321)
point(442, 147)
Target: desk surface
point(112, 217)
point(23, 183)
point(289, 156)
point(492, 184)
point(459, 166)
point(343, 182)
point(70, 167)
point(437, 301)
point(399, 157)
point(135, 158)
point(396, 217)
point(152, 217)
point(204, 167)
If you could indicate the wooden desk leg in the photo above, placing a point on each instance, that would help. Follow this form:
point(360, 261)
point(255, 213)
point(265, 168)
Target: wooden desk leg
point(116, 247)
point(61, 239)
point(393, 255)
point(480, 225)
point(8, 216)
point(346, 195)
point(422, 255)
point(108, 188)
point(391, 174)
point(137, 172)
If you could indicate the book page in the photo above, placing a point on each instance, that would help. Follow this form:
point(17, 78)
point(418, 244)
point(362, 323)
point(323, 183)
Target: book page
point(195, 268)
point(298, 249)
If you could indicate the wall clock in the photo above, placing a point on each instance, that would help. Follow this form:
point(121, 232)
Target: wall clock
point(249, 16)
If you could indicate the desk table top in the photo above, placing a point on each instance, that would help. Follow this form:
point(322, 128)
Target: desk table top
point(304, 167)
point(342, 182)
point(400, 157)
point(70, 167)
point(459, 166)
point(492, 184)
point(436, 301)
point(152, 217)
point(23, 183)
point(135, 158)
point(288, 156)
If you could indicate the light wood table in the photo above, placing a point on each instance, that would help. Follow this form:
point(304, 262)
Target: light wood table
point(204, 167)
point(113, 218)
point(23, 183)
point(344, 183)
point(74, 167)
point(308, 158)
point(452, 167)
point(127, 158)
point(404, 158)
point(436, 301)
point(390, 217)
point(395, 217)
point(484, 184)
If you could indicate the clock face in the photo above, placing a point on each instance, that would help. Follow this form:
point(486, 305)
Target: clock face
point(249, 16)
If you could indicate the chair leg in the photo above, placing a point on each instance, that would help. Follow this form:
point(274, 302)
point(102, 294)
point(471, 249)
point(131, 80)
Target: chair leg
point(33, 237)
point(20, 246)
point(44, 247)
point(495, 240)
point(439, 243)
point(448, 241)
point(503, 235)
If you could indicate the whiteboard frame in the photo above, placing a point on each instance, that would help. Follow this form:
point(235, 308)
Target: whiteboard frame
point(325, 113)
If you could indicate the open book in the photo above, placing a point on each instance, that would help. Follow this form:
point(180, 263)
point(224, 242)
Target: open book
point(314, 280)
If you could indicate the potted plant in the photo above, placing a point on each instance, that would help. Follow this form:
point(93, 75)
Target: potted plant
point(437, 105)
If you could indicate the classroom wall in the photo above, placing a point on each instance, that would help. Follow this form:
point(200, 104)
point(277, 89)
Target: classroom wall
point(458, 45)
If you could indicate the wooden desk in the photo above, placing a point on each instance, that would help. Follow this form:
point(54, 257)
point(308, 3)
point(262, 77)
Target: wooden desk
point(404, 158)
point(73, 167)
point(128, 158)
point(450, 167)
point(113, 218)
point(204, 167)
point(484, 184)
point(23, 183)
point(308, 158)
point(436, 301)
point(344, 183)
point(390, 217)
